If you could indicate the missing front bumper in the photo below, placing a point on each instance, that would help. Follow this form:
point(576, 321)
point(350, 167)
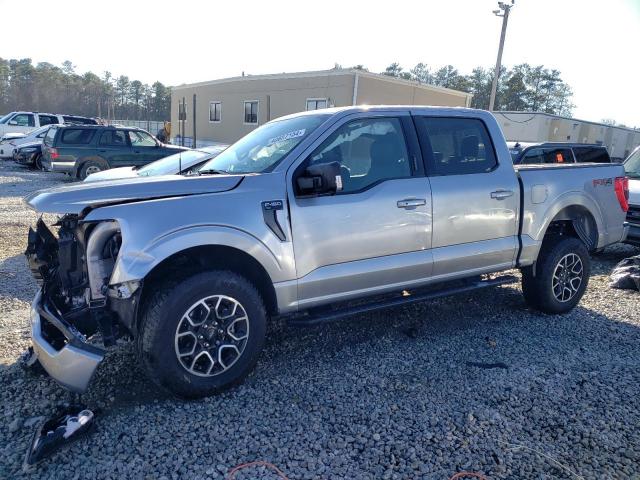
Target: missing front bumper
point(74, 364)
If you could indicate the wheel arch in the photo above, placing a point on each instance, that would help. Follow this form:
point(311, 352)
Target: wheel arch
point(184, 263)
point(82, 160)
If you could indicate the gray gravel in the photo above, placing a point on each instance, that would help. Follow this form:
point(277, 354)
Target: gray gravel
point(385, 395)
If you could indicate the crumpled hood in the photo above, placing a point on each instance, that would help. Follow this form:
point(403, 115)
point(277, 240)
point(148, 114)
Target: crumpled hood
point(75, 198)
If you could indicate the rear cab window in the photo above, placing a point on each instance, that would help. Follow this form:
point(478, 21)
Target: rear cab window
point(456, 146)
point(76, 136)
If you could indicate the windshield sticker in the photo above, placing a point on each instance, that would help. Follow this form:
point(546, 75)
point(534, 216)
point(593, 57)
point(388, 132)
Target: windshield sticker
point(287, 136)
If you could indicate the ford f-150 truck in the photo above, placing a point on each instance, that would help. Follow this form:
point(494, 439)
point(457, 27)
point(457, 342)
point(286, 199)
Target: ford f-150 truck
point(312, 217)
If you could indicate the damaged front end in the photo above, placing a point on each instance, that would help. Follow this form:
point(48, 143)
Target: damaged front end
point(75, 300)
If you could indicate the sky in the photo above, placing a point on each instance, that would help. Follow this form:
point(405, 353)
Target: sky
point(594, 43)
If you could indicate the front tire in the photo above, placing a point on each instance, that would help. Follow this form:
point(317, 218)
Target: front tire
point(202, 335)
point(561, 275)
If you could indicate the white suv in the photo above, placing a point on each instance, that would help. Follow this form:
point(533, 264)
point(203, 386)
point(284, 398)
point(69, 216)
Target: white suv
point(24, 122)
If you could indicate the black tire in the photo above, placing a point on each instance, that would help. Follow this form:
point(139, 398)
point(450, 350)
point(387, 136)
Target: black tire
point(163, 313)
point(91, 166)
point(37, 162)
point(538, 289)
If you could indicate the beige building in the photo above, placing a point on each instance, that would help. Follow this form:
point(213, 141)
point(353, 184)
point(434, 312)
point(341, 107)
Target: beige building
point(229, 108)
point(544, 127)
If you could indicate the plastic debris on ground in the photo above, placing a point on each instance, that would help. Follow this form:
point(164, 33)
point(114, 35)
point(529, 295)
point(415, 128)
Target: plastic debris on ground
point(67, 425)
point(626, 274)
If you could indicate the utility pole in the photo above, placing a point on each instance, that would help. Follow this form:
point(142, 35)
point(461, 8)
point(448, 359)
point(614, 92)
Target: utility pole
point(502, 11)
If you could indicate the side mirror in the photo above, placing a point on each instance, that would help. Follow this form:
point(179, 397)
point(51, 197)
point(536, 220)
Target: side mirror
point(13, 122)
point(320, 179)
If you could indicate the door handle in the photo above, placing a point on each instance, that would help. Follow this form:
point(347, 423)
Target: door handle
point(411, 202)
point(501, 194)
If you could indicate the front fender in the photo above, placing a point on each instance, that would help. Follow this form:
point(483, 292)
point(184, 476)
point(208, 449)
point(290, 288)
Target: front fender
point(135, 263)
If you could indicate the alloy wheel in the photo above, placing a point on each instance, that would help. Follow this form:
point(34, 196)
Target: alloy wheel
point(212, 335)
point(567, 277)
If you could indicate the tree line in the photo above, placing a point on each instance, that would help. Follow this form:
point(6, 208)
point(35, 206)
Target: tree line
point(521, 88)
point(60, 89)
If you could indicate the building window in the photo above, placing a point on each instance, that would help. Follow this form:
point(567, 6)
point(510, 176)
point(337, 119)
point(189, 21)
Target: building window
point(316, 103)
point(215, 111)
point(251, 112)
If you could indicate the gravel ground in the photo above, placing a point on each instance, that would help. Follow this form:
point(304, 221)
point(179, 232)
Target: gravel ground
point(384, 395)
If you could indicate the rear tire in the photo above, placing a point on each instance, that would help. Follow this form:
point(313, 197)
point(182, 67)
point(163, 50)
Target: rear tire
point(202, 335)
point(91, 166)
point(561, 275)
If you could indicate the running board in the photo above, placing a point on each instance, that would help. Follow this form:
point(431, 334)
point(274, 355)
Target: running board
point(320, 315)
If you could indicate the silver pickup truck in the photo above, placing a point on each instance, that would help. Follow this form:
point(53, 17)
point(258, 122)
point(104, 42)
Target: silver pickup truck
point(312, 217)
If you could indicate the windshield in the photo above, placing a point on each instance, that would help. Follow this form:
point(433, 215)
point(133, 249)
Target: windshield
point(632, 164)
point(171, 164)
point(6, 118)
point(262, 149)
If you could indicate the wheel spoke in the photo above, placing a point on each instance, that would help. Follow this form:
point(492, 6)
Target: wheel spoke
point(567, 277)
point(211, 335)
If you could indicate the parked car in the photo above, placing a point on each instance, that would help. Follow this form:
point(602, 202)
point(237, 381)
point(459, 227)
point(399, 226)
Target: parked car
point(382, 205)
point(29, 154)
point(24, 122)
point(8, 149)
point(557, 152)
point(81, 150)
point(182, 162)
point(632, 169)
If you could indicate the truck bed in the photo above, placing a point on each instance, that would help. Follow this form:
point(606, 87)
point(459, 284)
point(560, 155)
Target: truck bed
point(562, 191)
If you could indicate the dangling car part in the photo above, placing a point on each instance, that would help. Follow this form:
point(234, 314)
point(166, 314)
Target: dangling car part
point(66, 426)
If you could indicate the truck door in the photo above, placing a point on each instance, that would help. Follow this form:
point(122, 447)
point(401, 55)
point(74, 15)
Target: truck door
point(113, 147)
point(475, 197)
point(145, 148)
point(374, 234)
point(22, 122)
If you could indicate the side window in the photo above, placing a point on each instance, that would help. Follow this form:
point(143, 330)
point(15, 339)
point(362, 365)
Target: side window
point(251, 112)
point(316, 103)
point(535, 155)
point(141, 139)
point(557, 155)
point(23, 120)
point(113, 138)
point(215, 112)
point(76, 136)
point(50, 136)
point(591, 155)
point(456, 146)
point(47, 120)
point(369, 151)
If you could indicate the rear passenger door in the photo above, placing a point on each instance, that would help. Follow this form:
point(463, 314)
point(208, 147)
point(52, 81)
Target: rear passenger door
point(113, 146)
point(145, 148)
point(475, 197)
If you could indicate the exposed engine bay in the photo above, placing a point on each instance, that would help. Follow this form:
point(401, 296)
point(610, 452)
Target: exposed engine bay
point(74, 270)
